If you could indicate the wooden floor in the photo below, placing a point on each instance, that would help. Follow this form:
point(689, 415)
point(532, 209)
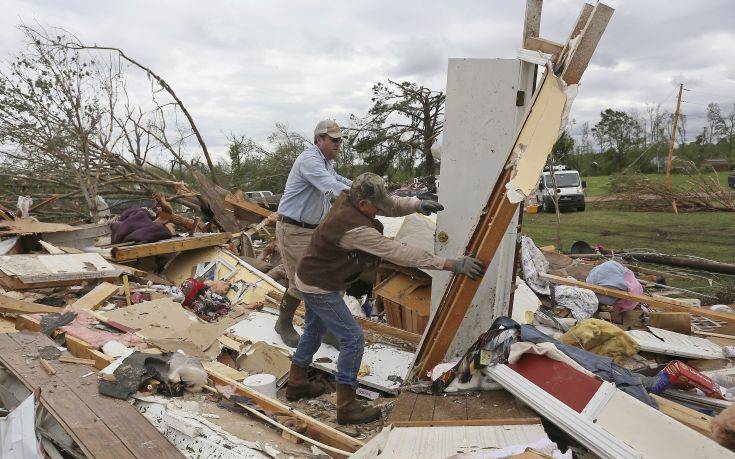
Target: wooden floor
point(103, 427)
point(494, 407)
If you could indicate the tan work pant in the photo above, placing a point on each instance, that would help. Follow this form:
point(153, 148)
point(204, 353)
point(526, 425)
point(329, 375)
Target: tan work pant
point(292, 243)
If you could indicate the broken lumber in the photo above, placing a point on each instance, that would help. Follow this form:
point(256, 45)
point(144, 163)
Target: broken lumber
point(659, 302)
point(544, 46)
point(97, 296)
point(47, 367)
point(687, 416)
point(72, 359)
point(14, 306)
point(168, 246)
point(684, 262)
point(315, 429)
point(248, 206)
point(582, 51)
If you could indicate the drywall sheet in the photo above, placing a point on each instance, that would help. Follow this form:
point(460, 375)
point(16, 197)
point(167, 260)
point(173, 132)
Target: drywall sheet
point(388, 366)
point(525, 303)
point(539, 133)
point(482, 121)
point(668, 342)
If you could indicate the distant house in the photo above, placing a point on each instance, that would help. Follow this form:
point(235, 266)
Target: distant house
point(716, 164)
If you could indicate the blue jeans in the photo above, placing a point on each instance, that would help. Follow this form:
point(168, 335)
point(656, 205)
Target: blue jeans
point(329, 312)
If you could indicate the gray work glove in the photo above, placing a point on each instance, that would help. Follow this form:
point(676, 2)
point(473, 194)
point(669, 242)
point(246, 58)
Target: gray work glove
point(428, 207)
point(470, 267)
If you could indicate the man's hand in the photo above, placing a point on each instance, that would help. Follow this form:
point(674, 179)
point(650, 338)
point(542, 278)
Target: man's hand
point(470, 267)
point(428, 207)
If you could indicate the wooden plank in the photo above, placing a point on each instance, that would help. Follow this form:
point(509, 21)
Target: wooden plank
point(403, 408)
point(498, 404)
point(532, 19)
point(450, 408)
point(50, 248)
point(15, 306)
point(545, 46)
point(168, 246)
point(468, 422)
point(47, 367)
point(77, 360)
point(423, 409)
point(93, 437)
point(314, 429)
point(248, 206)
point(687, 416)
point(96, 297)
point(658, 302)
point(589, 37)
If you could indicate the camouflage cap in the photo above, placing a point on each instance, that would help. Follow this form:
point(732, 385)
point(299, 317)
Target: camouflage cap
point(371, 187)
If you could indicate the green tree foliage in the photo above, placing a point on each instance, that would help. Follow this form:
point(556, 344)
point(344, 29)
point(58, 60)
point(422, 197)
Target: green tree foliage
point(254, 167)
point(563, 148)
point(617, 133)
point(723, 126)
point(399, 129)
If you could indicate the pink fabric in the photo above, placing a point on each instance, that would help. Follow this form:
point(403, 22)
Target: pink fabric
point(634, 287)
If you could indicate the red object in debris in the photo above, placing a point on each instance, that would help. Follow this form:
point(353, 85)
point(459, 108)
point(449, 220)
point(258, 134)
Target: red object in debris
point(569, 385)
point(682, 376)
point(139, 297)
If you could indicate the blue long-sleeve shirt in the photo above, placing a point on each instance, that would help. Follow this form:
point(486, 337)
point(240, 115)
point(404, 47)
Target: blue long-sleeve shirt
point(310, 187)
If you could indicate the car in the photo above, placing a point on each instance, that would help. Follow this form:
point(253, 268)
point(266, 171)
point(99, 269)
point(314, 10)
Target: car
point(569, 188)
point(731, 179)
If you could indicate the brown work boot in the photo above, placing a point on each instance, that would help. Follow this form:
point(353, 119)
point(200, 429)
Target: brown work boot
point(299, 385)
point(284, 324)
point(350, 411)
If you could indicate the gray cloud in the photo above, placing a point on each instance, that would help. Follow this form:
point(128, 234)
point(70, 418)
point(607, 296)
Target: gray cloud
point(243, 66)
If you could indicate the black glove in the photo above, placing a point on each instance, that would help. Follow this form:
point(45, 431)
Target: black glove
point(428, 207)
point(470, 267)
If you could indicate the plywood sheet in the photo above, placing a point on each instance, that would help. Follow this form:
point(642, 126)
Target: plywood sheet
point(30, 226)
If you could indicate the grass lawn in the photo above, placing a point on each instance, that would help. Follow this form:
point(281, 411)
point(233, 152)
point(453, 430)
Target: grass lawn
point(600, 185)
point(703, 234)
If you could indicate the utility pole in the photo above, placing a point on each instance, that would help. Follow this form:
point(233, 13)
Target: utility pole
point(667, 180)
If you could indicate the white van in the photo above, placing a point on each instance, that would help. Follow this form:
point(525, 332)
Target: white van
point(570, 188)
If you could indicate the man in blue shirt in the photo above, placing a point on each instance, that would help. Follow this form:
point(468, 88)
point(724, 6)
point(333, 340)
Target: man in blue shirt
point(311, 187)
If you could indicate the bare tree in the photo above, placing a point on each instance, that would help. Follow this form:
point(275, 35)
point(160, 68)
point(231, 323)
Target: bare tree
point(723, 126)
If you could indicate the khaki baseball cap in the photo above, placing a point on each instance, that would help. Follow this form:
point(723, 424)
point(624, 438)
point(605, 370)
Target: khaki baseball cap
point(330, 128)
point(371, 187)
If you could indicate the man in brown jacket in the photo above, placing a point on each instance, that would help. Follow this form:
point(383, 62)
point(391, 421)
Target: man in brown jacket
point(347, 242)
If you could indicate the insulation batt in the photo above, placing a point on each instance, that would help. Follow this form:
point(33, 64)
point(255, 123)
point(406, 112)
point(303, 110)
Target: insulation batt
point(602, 338)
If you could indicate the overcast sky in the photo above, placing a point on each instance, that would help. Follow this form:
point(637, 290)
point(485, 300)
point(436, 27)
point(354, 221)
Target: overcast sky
point(242, 66)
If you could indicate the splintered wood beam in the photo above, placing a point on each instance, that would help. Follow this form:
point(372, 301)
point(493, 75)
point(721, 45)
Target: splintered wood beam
point(96, 297)
point(315, 429)
point(133, 252)
point(532, 21)
point(248, 206)
point(658, 302)
point(11, 305)
point(589, 37)
point(458, 296)
point(545, 46)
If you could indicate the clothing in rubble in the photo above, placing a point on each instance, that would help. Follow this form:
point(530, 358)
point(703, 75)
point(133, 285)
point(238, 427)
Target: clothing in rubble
point(136, 224)
point(203, 301)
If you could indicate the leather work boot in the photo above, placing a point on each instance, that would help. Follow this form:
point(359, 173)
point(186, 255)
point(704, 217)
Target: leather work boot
point(299, 385)
point(284, 324)
point(351, 411)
